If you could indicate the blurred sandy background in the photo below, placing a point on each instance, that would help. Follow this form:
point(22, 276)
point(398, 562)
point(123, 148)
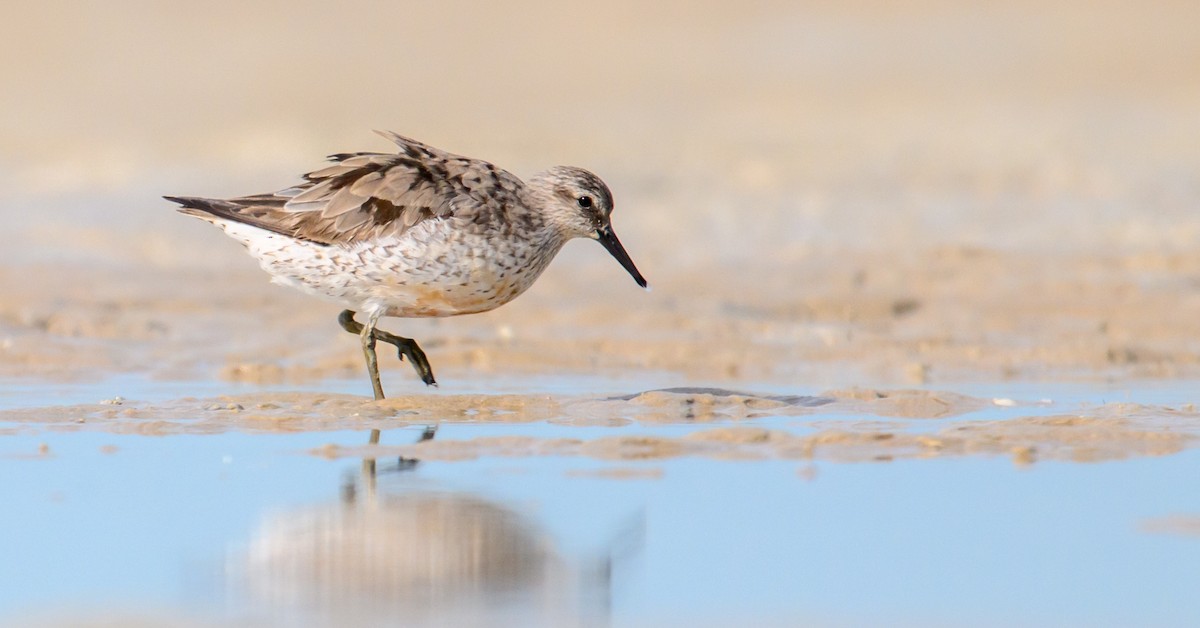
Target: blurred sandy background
point(820, 193)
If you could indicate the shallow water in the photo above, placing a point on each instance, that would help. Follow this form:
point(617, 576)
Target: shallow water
point(240, 528)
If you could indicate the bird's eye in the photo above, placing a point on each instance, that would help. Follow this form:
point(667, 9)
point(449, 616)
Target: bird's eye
point(584, 202)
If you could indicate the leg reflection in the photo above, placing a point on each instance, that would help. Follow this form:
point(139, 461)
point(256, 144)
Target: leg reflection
point(368, 473)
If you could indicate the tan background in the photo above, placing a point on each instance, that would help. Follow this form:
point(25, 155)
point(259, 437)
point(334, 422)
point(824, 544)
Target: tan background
point(826, 194)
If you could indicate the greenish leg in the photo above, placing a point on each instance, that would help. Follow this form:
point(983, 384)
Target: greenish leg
point(407, 347)
point(368, 344)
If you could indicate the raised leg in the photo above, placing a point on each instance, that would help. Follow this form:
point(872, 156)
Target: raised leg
point(405, 346)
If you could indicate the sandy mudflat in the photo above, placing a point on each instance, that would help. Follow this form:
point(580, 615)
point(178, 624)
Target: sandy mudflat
point(824, 198)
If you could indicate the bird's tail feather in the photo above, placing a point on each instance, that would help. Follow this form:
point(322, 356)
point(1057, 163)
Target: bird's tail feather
point(205, 207)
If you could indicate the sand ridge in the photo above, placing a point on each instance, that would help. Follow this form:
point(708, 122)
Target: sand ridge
point(841, 426)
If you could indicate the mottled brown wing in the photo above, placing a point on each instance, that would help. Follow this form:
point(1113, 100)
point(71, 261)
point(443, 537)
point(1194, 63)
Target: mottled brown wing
point(368, 196)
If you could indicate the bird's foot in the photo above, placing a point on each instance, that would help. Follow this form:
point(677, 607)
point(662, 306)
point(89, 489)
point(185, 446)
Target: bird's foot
point(407, 347)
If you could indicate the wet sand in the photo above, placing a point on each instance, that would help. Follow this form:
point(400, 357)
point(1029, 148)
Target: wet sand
point(844, 222)
point(859, 425)
point(854, 218)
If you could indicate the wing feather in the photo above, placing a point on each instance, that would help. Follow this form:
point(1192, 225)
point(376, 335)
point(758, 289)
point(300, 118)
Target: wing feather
point(366, 196)
point(368, 185)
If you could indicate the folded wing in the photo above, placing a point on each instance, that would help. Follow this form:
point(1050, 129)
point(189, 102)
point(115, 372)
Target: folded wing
point(370, 196)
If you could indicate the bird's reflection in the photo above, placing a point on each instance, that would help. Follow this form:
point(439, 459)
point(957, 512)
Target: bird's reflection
point(415, 557)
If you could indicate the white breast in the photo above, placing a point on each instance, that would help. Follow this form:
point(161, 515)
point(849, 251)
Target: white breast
point(432, 270)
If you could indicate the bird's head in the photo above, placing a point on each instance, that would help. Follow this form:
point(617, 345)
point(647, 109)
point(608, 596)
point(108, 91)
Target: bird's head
point(579, 205)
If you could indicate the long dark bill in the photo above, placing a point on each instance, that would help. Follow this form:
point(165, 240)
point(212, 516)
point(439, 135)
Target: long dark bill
point(610, 242)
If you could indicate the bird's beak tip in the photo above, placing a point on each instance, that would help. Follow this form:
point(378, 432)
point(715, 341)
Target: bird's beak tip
point(610, 242)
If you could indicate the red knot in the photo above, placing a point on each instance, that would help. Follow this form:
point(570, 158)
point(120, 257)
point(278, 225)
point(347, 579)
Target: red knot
point(416, 233)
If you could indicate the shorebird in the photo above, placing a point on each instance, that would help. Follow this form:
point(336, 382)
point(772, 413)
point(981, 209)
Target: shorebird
point(417, 233)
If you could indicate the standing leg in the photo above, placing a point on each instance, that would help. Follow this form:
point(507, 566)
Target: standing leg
point(367, 335)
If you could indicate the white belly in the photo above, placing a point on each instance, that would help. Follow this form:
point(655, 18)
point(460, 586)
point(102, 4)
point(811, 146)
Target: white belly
point(423, 274)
